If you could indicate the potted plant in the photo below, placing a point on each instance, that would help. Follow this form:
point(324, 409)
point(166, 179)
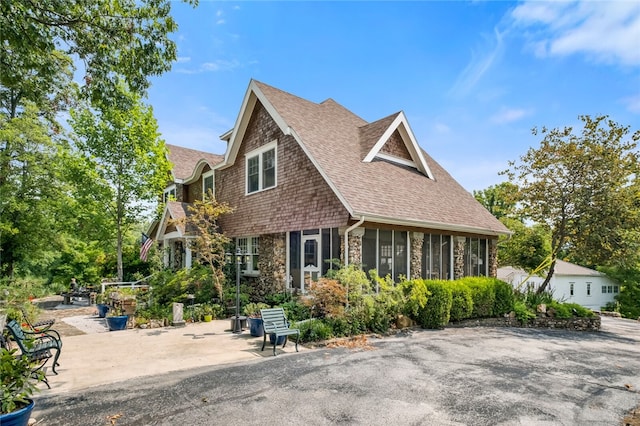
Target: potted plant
point(252, 311)
point(102, 307)
point(207, 313)
point(17, 384)
point(116, 319)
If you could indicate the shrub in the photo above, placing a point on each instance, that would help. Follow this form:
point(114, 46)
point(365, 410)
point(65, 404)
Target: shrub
point(462, 301)
point(562, 310)
point(483, 295)
point(295, 310)
point(436, 312)
point(522, 312)
point(326, 298)
point(314, 330)
point(413, 297)
point(504, 297)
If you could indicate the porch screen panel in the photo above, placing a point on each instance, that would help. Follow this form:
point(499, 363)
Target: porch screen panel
point(446, 257)
point(400, 255)
point(436, 256)
point(335, 246)
point(426, 256)
point(295, 240)
point(385, 252)
point(369, 249)
point(482, 257)
point(326, 250)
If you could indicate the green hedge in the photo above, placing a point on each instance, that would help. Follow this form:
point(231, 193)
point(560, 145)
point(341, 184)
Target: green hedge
point(462, 301)
point(436, 312)
point(483, 294)
point(505, 298)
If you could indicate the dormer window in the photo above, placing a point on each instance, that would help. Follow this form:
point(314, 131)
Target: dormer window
point(169, 194)
point(208, 183)
point(261, 166)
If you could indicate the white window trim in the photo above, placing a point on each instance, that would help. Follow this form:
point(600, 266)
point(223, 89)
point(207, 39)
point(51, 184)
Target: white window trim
point(167, 191)
point(258, 152)
point(206, 175)
point(249, 271)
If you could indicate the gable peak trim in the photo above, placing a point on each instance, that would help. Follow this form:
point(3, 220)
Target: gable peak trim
point(401, 124)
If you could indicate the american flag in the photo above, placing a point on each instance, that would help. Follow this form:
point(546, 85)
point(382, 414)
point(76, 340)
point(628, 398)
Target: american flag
point(144, 248)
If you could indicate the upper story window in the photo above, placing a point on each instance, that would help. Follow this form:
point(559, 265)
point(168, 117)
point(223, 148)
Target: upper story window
point(208, 183)
point(169, 194)
point(261, 168)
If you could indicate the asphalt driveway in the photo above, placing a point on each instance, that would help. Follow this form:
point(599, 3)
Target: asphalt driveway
point(469, 376)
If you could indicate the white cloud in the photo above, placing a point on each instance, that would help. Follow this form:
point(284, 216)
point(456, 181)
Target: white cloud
point(441, 128)
point(479, 65)
point(508, 115)
point(604, 31)
point(219, 65)
point(633, 103)
point(220, 22)
point(183, 59)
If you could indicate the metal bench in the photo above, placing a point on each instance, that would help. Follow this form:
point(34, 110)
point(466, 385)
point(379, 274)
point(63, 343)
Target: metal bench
point(274, 321)
point(37, 346)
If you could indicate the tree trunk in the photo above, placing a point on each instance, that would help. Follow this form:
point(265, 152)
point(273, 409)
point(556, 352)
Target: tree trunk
point(546, 281)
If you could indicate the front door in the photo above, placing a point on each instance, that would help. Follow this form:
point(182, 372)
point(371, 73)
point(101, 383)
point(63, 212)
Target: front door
point(310, 259)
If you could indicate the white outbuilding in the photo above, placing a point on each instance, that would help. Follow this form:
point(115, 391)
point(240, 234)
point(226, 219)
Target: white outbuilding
point(570, 283)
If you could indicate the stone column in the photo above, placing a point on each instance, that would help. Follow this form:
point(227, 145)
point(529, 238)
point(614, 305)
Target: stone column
point(417, 238)
point(458, 257)
point(272, 263)
point(355, 246)
point(493, 257)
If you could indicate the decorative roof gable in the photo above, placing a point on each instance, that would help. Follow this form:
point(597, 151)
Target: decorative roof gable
point(172, 220)
point(187, 164)
point(386, 147)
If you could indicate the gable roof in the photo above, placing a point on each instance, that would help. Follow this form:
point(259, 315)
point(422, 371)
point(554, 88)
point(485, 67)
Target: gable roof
point(566, 268)
point(174, 213)
point(187, 163)
point(346, 151)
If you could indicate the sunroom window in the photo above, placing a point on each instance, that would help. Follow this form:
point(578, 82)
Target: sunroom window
point(207, 184)
point(261, 168)
point(250, 246)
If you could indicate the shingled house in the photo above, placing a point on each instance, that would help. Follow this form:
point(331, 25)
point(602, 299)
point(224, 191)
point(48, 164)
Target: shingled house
point(312, 182)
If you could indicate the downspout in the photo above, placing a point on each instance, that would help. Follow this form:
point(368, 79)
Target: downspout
point(346, 239)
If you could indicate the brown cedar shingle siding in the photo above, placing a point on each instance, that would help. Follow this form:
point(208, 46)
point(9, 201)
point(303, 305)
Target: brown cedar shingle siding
point(301, 199)
point(396, 147)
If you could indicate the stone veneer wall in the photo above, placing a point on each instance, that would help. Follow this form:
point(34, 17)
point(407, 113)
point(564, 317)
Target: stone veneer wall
point(576, 324)
point(272, 263)
point(355, 246)
point(493, 258)
point(417, 238)
point(458, 257)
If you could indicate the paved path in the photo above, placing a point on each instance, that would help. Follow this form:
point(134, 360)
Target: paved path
point(456, 376)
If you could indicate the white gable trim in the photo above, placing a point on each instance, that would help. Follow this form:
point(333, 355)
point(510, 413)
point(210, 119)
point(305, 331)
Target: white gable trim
point(253, 95)
point(402, 125)
point(164, 222)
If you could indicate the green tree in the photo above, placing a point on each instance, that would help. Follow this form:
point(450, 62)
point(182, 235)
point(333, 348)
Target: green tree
point(583, 187)
point(629, 298)
point(527, 248)
point(127, 160)
point(32, 194)
point(125, 39)
point(499, 199)
point(206, 240)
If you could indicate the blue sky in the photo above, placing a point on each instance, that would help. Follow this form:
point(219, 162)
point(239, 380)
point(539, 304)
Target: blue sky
point(473, 78)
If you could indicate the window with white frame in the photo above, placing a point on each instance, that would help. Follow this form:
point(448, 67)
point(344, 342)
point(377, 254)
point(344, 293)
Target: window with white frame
point(261, 167)
point(250, 246)
point(571, 289)
point(616, 289)
point(208, 184)
point(169, 194)
point(588, 289)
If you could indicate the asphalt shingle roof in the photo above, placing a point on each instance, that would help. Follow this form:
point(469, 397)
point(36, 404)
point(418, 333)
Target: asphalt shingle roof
point(338, 140)
point(184, 160)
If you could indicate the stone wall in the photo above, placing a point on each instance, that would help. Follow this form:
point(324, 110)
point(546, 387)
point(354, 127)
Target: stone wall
point(493, 258)
point(272, 265)
point(355, 246)
point(458, 257)
point(417, 239)
point(575, 324)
